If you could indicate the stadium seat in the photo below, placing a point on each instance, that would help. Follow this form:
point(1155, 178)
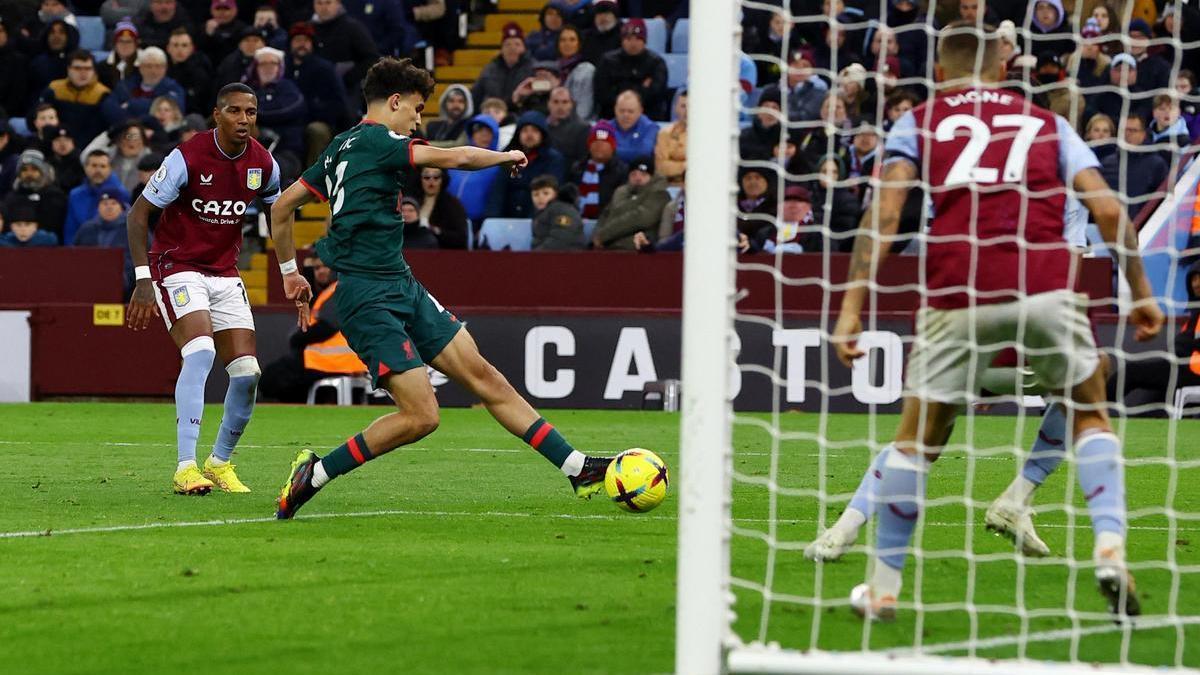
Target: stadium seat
point(1183, 396)
point(679, 37)
point(19, 126)
point(91, 32)
point(101, 55)
point(343, 386)
point(677, 70)
point(656, 35)
point(514, 234)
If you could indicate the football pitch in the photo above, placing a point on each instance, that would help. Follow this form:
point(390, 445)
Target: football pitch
point(468, 554)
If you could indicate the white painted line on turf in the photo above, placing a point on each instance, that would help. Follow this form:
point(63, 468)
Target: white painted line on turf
point(1140, 624)
point(102, 529)
point(246, 446)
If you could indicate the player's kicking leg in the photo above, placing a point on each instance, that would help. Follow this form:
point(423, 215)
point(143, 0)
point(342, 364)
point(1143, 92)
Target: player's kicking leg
point(236, 348)
point(462, 362)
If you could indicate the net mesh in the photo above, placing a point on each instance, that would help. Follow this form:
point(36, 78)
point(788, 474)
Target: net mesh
point(823, 87)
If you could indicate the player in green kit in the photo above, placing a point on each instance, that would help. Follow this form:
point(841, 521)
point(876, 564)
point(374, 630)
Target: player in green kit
point(390, 320)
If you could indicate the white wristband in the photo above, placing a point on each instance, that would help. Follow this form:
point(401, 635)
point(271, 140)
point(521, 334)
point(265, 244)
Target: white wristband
point(287, 266)
point(141, 272)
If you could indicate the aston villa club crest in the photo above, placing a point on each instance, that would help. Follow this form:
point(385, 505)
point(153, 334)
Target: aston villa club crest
point(181, 296)
point(253, 179)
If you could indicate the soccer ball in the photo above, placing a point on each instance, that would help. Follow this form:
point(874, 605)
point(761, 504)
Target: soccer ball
point(637, 480)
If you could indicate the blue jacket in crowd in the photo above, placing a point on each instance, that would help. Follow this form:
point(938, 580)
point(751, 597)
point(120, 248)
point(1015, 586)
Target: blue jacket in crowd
point(638, 141)
point(473, 187)
point(84, 201)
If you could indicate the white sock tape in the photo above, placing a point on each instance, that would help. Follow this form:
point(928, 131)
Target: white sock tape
point(204, 343)
point(243, 366)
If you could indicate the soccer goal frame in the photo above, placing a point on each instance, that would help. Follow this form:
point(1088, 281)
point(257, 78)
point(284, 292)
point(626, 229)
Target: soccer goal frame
point(705, 642)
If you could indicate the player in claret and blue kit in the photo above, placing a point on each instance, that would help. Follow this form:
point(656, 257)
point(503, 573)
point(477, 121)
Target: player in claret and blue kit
point(998, 271)
point(389, 319)
point(190, 276)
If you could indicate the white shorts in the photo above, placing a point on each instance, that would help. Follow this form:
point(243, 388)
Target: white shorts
point(224, 298)
point(953, 348)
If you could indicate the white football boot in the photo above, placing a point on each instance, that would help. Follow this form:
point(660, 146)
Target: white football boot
point(1015, 522)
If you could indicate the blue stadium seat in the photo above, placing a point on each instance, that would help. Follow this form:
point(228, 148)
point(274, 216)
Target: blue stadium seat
point(515, 234)
point(19, 126)
point(101, 55)
point(656, 35)
point(679, 37)
point(91, 32)
point(677, 70)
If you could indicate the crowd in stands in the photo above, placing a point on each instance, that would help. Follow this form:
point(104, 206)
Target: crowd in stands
point(589, 96)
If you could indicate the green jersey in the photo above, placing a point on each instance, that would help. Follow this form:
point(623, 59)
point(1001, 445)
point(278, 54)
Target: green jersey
point(360, 175)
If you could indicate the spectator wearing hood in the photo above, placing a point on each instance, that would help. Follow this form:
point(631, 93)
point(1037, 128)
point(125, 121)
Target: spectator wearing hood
point(577, 74)
point(510, 195)
point(636, 134)
point(534, 91)
point(670, 149)
point(121, 62)
point(599, 174)
point(543, 44)
point(84, 200)
point(756, 199)
point(321, 88)
point(636, 208)
point(455, 108)
point(604, 35)
point(281, 105)
point(192, 71)
point(35, 183)
point(134, 95)
point(56, 43)
point(905, 24)
point(1129, 91)
point(14, 72)
point(837, 49)
point(503, 74)
point(159, 22)
point(557, 225)
point(632, 67)
point(1088, 63)
point(568, 133)
point(35, 26)
point(237, 66)
point(79, 98)
point(24, 230)
point(473, 188)
point(1153, 70)
point(346, 43)
point(1050, 31)
point(63, 156)
point(758, 140)
point(1134, 170)
point(222, 31)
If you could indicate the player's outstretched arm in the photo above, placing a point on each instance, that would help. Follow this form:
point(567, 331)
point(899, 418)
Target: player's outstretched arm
point(283, 220)
point(467, 157)
point(879, 225)
point(1121, 238)
point(137, 227)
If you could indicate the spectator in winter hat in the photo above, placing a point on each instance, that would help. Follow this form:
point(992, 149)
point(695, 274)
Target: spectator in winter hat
point(24, 227)
point(35, 183)
point(543, 44)
point(238, 64)
point(62, 155)
point(501, 76)
point(1153, 71)
point(134, 95)
point(600, 173)
point(605, 33)
point(121, 62)
point(632, 67)
point(160, 20)
point(222, 32)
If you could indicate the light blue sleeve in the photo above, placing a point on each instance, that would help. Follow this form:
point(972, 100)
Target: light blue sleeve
point(271, 192)
point(903, 140)
point(164, 186)
point(1073, 154)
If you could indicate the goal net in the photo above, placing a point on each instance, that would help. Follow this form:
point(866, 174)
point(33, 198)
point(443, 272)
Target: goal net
point(792, 103)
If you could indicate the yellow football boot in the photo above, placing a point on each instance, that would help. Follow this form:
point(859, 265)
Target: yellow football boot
point(190, 481)
point(223, 476)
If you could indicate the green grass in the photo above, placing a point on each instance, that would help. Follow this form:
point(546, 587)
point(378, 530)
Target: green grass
point(477, 558)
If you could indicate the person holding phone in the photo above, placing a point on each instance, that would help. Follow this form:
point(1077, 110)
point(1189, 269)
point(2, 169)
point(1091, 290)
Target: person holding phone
point(534, 91)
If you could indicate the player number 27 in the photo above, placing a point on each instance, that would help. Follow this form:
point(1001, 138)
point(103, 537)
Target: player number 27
point(334, 187)
point(966, 168)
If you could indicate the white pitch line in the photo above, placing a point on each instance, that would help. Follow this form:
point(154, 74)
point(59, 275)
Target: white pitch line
point(25, 534)
point(1049, 636)
point(118, 444)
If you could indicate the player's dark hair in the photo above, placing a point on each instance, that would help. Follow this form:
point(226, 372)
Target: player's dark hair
point(544, 181)
point(233, 88)
point(391, 75)
point(962, 45)
point(81, 55)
